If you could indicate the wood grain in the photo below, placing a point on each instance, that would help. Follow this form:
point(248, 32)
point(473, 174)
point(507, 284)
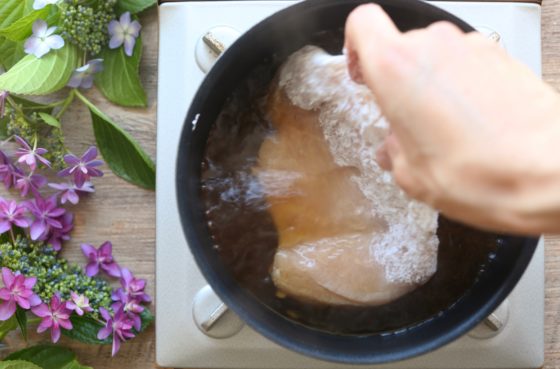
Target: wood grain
point(125, 214)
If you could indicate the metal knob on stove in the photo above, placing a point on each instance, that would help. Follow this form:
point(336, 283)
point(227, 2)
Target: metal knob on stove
point(494, 324)
point(212, 316)
point(212, 44)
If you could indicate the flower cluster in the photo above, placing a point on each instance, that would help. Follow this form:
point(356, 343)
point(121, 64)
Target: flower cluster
point(43, 217)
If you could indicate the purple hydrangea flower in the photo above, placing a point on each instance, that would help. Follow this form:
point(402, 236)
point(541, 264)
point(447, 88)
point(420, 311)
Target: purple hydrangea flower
point(132, 287)
point(57, 235)
point(120, 326)
point(83, 76)
point(124, 31)
point(79, 304)
point(55, 315)
point(100, 258)
point(42, 40)
point(12, 214)
point(69, 191)
point(3, 97)
point(17, 290)
point(30, 155)
point(40, 4)
point(131, 307)
point(30, 182)
point(46, 216)
point(82, 168)
point(8, 171)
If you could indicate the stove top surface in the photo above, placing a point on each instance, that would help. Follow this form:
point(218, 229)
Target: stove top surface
point(179, 341)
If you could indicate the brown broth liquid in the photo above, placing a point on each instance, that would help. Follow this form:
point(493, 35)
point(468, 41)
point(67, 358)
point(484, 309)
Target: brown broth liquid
point(246, 238)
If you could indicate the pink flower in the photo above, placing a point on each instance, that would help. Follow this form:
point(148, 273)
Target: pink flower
point(131, 307)
point(120, 326)
point(69, 191)
point(132, 287)
point(100, 258)
point(12, 214)
point(31, 181)
point(8, 171)
point(56, 235)
point(30, 155)
point(55, 316)
point(82, 168)
point(46, 216)
point(17, 290)
point(79, 304)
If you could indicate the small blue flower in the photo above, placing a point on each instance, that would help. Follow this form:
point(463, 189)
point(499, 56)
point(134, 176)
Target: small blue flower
point(124, 32)
point(42, 40)
point(83, 76)
point(40, 4)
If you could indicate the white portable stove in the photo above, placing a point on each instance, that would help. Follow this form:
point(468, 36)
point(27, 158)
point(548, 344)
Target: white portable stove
point(194, 329)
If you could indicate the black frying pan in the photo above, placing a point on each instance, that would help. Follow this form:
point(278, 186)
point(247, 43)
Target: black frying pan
point(316, 21)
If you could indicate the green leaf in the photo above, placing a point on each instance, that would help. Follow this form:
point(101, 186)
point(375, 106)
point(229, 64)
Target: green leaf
point(120, 80)
point(21, 28)
point(21, 317)
point(75, 365)
point(33, 76)
point(18, 364)
point(11, 11)
point(134, 6)
point(47, 356)
point(10, 52)
point(50, 120)
point(7, 326)
point(120, 151)
point(85, 330)
point(147, 319)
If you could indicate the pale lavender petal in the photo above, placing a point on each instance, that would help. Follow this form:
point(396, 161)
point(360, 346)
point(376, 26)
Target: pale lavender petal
point(31, 44)
point(65, 172)
point(80, 178)
point(116, 345)
point(134, 28)
point(7, 277)
point(41, 311)
point(95, 163)
point(89, 251)
point(124, 20)
point(75, 80)
point(55, 333)
point(105, 314)
point(95, 172)
point(5, 226)
point(83, 69)
point(22, 142)
point(21, 222)
point(39, 4)
point(50, 30)
point(59, 186)
point(87, 187)
point(92, 269)
point(7, 309)
point(34, 300)
point(29, 283)
point(106, 249)
point(96, 65)
point(114, 27)
point(90, 154)
point(66, 324)
point(115, 41)
point(72, 196)
point(112, 269)
point(5, 294)
point(44, 325)
point(23, 302)
point(71, 159)
point(54, 42)
point(39, 27)
point(104, 333)
point(87, 82)
point(39, 49)
point(129, 42)
point(37, 229)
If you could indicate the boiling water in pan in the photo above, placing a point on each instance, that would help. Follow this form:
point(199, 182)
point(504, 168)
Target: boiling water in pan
point(246, 237)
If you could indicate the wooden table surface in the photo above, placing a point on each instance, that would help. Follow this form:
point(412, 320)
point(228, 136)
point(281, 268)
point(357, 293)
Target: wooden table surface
point(125, 214)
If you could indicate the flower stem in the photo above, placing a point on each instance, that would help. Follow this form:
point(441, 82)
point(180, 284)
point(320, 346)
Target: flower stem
point(12, 237)
point(66, 104)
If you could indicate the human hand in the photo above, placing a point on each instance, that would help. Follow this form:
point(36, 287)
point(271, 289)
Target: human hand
point(474, 133)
